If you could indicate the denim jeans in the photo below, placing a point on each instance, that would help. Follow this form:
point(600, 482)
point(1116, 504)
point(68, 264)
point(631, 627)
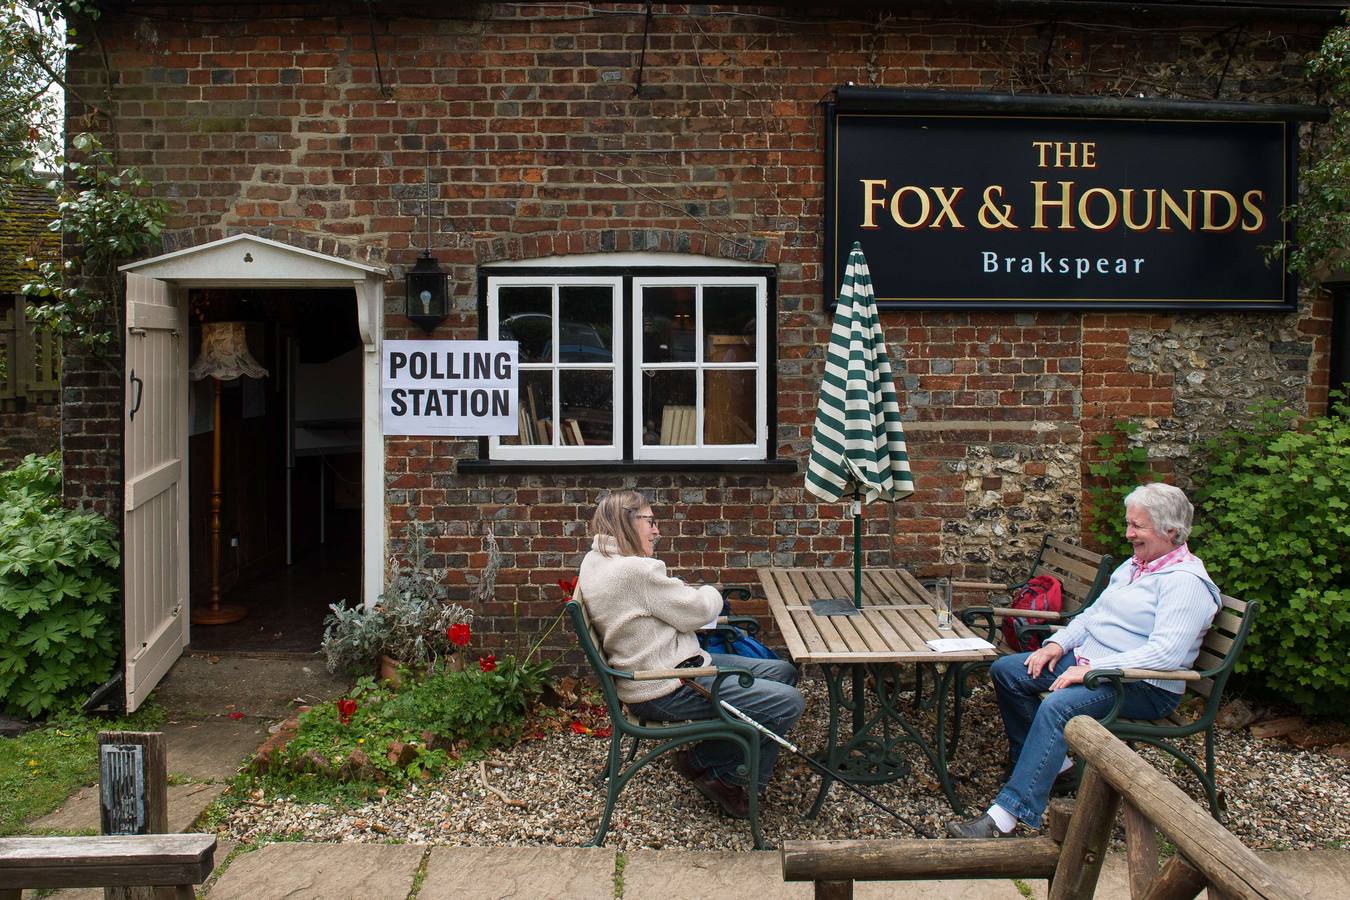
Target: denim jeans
point(1035, 727)
point(772, 701)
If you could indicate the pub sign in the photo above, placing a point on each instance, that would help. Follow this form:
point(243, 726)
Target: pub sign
point(1047, 206)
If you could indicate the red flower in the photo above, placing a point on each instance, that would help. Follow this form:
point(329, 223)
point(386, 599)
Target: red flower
point(458, 634)
point(346, 709)
point(568, 588)
point(236, 715)
point(579, 728)
point(487, 663)
point(602, 732)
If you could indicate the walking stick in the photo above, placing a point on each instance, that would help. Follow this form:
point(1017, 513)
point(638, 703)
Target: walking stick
point(814, 763)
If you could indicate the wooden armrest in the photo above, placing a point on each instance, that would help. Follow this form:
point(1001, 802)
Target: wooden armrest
point(1043, 614)
point(978, 586)
point(1157, 675)
point(658, 674)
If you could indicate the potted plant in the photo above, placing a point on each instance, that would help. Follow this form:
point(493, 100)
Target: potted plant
point(413, 624)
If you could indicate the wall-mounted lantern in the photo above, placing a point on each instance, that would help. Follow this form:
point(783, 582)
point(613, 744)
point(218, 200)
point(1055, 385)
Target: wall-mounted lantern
point(428, 291)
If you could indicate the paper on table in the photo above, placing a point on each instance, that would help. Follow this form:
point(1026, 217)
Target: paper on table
point(954, 645)
point(711, 625)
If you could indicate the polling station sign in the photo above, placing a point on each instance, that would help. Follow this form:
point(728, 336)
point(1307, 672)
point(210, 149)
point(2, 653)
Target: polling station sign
point(1060, 204)
point(449, 388)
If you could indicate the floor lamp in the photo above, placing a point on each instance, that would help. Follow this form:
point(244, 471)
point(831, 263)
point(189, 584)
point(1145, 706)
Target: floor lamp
point(224, 357)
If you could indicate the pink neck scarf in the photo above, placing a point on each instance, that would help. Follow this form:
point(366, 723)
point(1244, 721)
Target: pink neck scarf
point(1140, 569)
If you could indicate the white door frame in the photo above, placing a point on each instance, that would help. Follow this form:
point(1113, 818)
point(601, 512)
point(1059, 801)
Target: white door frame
point(248, 261)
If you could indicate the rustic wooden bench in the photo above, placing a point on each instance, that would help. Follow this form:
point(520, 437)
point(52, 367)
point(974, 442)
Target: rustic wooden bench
point(178, 861)
point(1082, 574)
point(1071, 855)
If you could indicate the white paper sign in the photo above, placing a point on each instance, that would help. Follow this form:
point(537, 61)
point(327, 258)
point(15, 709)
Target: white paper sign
point(956, 645)
point(450, 388)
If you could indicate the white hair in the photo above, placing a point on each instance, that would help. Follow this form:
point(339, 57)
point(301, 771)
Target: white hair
point(1167, 508)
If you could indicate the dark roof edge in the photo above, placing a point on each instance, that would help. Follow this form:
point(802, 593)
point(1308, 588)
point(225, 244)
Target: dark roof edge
point(1314, 11)
point(852, 98)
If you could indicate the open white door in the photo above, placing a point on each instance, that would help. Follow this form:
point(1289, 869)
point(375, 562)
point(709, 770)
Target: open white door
point(154, 549)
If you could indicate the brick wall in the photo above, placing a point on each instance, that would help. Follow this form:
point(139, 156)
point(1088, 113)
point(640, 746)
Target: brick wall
point(306, 131)
point(35, 430)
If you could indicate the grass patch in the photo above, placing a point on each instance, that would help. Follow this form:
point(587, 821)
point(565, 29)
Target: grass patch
point(1022, 888)
point(39, 769)
point(620, 861)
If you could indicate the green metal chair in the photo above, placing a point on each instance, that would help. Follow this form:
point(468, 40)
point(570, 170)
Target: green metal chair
point(667, 735)
point(1218, 654)
point(1082, 575)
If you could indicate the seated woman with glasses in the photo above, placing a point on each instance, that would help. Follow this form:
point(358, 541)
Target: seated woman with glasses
point(647, 619)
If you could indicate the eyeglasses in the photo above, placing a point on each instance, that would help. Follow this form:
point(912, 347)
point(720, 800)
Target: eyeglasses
point(648, 516)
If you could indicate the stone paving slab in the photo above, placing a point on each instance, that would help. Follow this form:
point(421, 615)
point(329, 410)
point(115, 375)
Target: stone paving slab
point(210, 749)
point(296, 871)
point(267, 688)
point(521, 873)
point(666, 875)
point(80, 813)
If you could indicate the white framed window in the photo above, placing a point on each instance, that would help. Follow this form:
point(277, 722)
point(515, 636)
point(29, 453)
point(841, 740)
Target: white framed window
point(569, 361)
point(699, 367)
point(636, 363)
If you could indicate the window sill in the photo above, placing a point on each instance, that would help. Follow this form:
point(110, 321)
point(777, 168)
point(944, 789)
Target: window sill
point(734, 466)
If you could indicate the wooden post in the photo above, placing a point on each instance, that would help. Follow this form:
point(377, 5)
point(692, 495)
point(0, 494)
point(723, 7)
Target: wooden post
point(1084, 848)
point(833, 890)
point(133, 795)
point(1178, 880)
point(1141, 850)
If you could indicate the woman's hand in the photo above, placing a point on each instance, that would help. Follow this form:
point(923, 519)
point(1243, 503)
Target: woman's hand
point(1048, 654)
point(1071, 676)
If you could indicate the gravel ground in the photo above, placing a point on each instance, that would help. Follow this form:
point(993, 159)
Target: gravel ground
point(1279, 796)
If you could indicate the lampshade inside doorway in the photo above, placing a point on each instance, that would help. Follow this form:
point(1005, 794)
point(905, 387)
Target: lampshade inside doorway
point(224, 357)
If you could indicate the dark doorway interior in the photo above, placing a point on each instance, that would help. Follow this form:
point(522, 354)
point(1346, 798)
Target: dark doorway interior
point(290, 470)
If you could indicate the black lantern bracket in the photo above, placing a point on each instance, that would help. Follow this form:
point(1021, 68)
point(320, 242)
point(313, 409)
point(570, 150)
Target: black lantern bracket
point(427, 287)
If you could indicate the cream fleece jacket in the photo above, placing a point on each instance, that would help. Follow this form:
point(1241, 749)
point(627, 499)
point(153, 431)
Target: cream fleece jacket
point(645, 618)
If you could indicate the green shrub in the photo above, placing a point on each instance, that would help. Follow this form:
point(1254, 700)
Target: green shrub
point(58, 586)
point(440, 720)
point(1275, 510)
point(1122, 468)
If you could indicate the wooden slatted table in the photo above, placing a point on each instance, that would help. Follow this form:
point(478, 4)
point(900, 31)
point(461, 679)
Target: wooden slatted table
point(897, 618)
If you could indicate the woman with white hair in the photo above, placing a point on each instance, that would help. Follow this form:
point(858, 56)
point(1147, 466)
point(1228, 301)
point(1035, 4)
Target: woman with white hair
point(1153, 615)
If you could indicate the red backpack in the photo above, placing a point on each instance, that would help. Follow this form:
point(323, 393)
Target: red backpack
point(1043, 592)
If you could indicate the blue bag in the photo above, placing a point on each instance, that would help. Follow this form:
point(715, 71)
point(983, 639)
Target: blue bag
point(732, 640)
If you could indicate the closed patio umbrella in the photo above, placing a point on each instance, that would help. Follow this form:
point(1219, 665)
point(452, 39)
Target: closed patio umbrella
point(858, 444)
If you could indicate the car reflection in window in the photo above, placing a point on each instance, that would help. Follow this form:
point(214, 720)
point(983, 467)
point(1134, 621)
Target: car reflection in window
point(578, 341)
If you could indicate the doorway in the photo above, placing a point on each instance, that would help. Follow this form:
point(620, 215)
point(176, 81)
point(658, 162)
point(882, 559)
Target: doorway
point(290, 530)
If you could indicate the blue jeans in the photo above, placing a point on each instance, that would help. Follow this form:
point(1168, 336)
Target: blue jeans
point(1035, 727)
point(772, 701)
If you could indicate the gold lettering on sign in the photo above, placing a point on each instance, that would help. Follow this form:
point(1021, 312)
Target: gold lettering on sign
point(1249, 201)
point(1065, 204)
point(1067, 154)
point(871, 201)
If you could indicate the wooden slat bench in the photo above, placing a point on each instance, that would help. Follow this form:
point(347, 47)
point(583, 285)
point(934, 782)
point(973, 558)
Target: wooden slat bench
point(1083, 576)
point(173, 860)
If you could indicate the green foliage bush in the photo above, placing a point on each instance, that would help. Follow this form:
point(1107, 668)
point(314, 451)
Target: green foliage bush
point(441, 720)
point(58, 587)
point(1274, 517)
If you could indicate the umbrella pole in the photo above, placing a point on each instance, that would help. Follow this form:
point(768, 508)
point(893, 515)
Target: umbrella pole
point(858, 688)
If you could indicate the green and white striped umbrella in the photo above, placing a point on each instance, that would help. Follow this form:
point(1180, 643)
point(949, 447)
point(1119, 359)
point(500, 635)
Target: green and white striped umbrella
point(858, 445)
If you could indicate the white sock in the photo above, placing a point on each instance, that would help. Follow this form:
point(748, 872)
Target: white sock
point(1068, 764)
point(1005, 820)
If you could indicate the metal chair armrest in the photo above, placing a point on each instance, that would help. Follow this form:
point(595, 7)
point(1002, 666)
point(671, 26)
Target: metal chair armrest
point(660, 674)
point(1044, 615)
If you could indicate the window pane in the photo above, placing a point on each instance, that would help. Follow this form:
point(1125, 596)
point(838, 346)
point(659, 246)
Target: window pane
point(525, 314)
point(587, 406)
point(668, 324)
point(729, 324)
point(536, 409)
point(668, 412)
point(586, 316)
point(729, 406)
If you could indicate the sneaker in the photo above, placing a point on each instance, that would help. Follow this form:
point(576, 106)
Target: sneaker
point(730, 798)
point(980, 827)
point(683, 761)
